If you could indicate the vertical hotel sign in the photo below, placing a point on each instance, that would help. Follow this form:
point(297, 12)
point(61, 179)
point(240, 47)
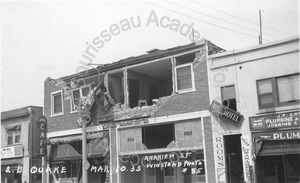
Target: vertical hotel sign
point(220, 158)
point(246, 152)
point(42, 130)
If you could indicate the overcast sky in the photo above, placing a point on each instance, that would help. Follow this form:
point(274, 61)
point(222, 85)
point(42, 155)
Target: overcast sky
point(48, 38)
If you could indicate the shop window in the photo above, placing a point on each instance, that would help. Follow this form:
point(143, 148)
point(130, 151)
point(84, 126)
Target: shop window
point(13, 137)
point(278, 168)
point(292, 162)
point(269, 169)
point(279, 91)
point(169, 171)
point(77, 94)
point(159, 136)
point(71, 171)
point(184, 77)
point(56, 103)
point(188, 134)
point(229, 97)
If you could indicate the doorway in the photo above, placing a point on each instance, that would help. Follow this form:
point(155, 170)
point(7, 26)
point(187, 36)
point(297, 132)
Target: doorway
point(134, 93)
point(233, 154)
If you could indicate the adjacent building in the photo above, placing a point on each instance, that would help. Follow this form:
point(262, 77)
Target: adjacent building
point(254, 94)
point(19, 145)
point(148, 119)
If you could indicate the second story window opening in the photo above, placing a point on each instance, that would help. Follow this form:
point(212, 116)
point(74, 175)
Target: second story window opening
point(278, 91)
point(149, 81)
point(56, 103)
point(13, 137)
point(184, 77)
point(229, 97)
point(77, 94)
point(184, 74)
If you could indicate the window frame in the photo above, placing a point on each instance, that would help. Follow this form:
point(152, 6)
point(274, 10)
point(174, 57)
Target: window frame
point(14, 134)
point(275, 93)
point(192, 78)
point(73, 110)
point(52, 103)
point(222, 97)
point(277, 89)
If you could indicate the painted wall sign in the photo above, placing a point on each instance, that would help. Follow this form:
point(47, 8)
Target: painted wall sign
point(42, 130)
point(246, 153)
point(225, 113)
point(275, 121)
point(279, 135)
point(11, 152)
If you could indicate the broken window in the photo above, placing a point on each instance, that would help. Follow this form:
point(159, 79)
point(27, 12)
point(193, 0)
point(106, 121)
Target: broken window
point(228, 97)
point(115, 87)
point(77, 94)
point(159, 136)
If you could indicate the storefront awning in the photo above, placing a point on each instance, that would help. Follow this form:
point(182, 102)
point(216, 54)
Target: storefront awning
point(12, 163)
point(98, 146)
point(280, 141)
point(64, 152)
point(68, 139)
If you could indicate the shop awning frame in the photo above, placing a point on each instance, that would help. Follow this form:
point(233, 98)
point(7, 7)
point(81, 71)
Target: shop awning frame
point(77, 137)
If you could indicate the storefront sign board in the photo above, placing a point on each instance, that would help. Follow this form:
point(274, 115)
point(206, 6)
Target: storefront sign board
point(279, 135)
point(11, 152)
point(42, 130)
point(275, 121)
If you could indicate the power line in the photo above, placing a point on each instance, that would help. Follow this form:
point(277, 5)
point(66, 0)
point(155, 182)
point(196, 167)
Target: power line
point(240, 18)
point(220, 19)
point(203, 21)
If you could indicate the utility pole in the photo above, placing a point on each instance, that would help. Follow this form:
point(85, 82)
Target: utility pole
point(84, 119)
point(260, 27)
point(84, 156)
point(193, 35)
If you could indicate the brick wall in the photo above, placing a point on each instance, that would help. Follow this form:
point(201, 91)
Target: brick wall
point(191, 101)
point(68, 120)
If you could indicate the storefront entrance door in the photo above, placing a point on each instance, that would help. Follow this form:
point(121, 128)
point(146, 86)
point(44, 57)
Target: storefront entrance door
point(234, 164)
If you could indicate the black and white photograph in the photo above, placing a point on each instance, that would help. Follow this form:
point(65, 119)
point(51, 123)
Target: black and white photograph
point(149, 91)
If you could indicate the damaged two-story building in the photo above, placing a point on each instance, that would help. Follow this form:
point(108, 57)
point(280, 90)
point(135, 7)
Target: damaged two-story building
point(149, 119)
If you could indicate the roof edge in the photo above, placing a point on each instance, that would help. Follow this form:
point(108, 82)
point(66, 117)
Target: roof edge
point(260, 46)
